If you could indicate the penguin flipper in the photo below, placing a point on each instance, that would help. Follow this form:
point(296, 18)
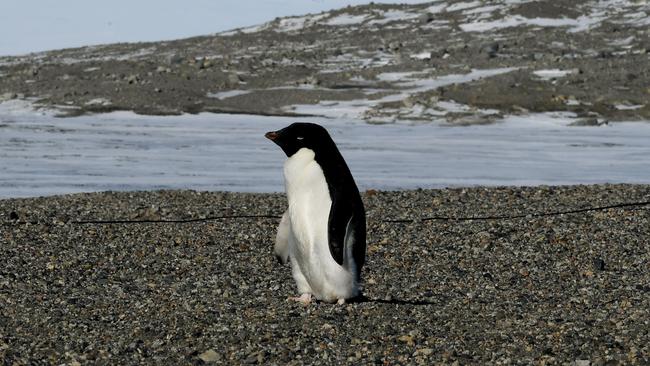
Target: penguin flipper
point(281, 249)
point(347, 237)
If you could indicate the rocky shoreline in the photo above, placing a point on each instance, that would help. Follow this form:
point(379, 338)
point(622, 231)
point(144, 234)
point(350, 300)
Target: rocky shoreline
point(386, 62)
point(561, 289)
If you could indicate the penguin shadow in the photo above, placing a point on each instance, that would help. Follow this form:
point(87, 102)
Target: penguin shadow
point(362, 299)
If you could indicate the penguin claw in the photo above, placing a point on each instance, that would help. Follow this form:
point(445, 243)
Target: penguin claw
point(305, 299)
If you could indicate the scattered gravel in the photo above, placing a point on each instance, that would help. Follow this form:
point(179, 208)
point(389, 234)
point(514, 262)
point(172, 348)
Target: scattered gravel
point(571, 289)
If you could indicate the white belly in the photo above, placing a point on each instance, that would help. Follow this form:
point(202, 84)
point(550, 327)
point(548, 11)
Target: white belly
point(309, 209)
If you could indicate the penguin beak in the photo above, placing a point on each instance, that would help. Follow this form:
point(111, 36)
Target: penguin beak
point(271, 135)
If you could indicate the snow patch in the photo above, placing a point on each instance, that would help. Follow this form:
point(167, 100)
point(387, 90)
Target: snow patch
point(346, 19)
point(554, 73)
point(422, 56)
point(227, 94)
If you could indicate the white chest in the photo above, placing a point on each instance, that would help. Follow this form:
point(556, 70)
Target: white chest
point(309, 200)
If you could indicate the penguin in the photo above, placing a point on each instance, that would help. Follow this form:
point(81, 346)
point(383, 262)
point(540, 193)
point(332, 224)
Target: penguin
point(323, 231)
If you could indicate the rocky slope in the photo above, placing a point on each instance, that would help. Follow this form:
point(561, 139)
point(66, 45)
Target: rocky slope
point(452, 61)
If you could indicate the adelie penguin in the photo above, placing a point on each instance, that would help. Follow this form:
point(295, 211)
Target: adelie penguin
point(323, 232)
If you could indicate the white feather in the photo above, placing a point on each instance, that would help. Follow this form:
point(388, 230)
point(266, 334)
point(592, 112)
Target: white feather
point(313, 267)
point(281, 249)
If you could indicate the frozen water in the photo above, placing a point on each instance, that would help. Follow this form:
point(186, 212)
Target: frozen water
point(44, 155)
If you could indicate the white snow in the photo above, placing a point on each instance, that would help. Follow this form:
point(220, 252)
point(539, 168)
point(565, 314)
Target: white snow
point(98, 101)
point(426, 55)
point(43, 155)
point(228, 94)
point(346, 19)
point(411, 82)
point(438, 8)
point(517, 20)
point(463, 5)
point(393, 15)
point(628, 107)
point(553, 73)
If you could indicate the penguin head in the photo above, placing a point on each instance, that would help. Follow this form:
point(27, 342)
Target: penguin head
point(302, 135)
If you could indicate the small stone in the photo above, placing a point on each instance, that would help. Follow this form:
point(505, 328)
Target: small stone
point(234, 78)
point(425, 18)
point(491, 50)
point(13, 216)
point(599, 264)
point(209, 356)
point(424, 352)
point(582, 362)
point(408, 339)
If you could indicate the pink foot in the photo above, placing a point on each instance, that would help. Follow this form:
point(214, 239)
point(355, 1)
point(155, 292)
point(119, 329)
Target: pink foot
point(305, 299)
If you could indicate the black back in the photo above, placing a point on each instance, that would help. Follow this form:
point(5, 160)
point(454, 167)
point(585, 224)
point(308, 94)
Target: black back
point(347, 206)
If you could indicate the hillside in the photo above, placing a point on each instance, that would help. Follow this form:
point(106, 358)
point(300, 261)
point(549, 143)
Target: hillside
point(452, 61)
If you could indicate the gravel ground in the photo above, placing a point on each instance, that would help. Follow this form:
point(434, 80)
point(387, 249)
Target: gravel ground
point(561, 289)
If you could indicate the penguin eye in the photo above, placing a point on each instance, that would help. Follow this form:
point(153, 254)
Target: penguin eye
point(300, 138)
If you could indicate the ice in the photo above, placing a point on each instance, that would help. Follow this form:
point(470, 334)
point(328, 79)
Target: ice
point(44, 155)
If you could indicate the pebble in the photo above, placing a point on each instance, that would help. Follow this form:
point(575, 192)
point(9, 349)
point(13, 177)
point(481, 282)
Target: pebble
point(209, 356)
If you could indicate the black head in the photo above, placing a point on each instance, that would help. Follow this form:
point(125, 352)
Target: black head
point(298, 135)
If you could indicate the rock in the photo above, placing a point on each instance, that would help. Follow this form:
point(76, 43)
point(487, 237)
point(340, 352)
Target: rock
point(235, 79)
point(599, 264)
point(582, 363)
point(408, 339)
point(536, 56)
point(425, 18)
point(13, 216)
point(209, 356)
point(491, 50)
point(132, 79)
point(174, 59)
point(394, 46)
point(8, 96)
point(590, 121)
point(423, 352)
